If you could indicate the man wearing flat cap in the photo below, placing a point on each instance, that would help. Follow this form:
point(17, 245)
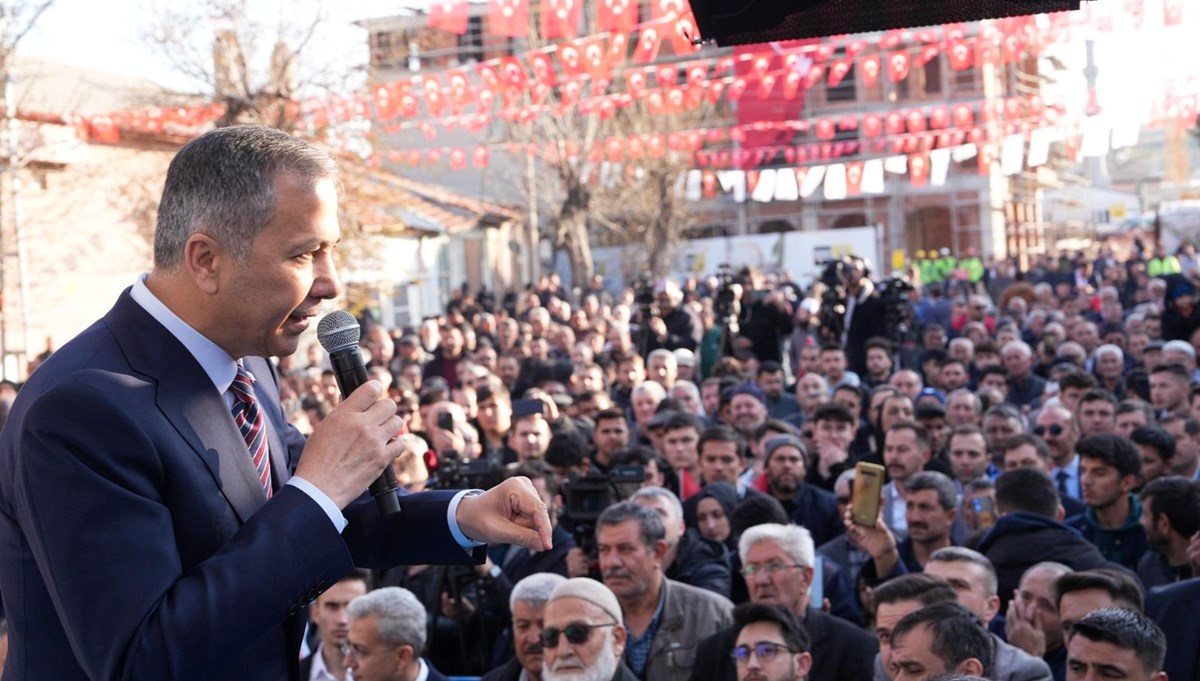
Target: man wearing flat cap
point(583, 638)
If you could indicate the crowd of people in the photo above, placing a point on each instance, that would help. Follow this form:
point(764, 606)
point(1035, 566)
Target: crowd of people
point(1040, 433)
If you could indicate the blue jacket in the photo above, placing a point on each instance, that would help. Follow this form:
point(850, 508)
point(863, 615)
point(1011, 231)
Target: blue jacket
point(1124, 545)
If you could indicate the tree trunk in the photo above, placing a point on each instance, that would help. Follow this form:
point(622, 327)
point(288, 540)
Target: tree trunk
point(659, 235)
point(571, 232)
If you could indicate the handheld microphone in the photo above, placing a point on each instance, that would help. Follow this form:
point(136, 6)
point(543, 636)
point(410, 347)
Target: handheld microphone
point(338, 332)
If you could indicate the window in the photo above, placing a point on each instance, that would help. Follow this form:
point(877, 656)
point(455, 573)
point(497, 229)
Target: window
point(470, 44)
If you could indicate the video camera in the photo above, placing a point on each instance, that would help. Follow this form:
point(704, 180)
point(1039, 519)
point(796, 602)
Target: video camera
point(726, 307)
point(585, 498)
point(453, 472)
point(831, 317)
point(899, 316)
point(643, 297)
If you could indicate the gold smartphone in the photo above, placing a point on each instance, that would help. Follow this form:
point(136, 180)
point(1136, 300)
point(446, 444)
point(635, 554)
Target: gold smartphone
point(868, 493)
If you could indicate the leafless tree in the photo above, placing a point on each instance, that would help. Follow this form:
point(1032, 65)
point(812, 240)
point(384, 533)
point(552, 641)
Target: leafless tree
point(591, 197)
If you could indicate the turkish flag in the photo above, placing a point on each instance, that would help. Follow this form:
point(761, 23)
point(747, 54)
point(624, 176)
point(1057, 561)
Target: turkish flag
point(685, 35)
point(916, 120)
point(928, 54)
point(870, 67)
point(854, 173)
point(791, 85)
point(570, 55)
point(480, 157)
point(1013, 48)
point(490, 75)
point(570, 93)
point(1134, 9)
point(460, 88)
point(647, 46)
point(918, 169)
point(449, 15)
point(894, 123)
point(697, 75)
point(953, 33)
point(660, 9)
point(458, 158)
point(618, 48)
point(898, 66)
point(595, 58)
point(825, 129)
point(1172, 12)
point(872, 125)
point(616, 16)
point(387, 99)
point(635, 83)
point(512, 74)
point(485, 99)
point(508, 18)
point(542, 67)
point(815, 73)
point(665, 75)
point(964, 117)
point(560, 18)
point(434, 101)
point(838, 71)
point(939, 118)
point(961, 55)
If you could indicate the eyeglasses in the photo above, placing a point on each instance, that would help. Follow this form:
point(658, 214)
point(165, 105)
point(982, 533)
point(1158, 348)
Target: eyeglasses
point(766, 651)
point(576, 633)
point(843, 500)
point(1054, 429)
point(771, 569)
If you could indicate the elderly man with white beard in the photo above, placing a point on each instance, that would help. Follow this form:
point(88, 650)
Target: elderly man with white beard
point(584, 634)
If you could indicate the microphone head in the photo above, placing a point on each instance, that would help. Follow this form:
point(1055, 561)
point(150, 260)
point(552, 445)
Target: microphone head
point(338, 329)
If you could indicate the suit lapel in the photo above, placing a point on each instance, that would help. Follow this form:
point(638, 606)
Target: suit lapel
point(189, 401)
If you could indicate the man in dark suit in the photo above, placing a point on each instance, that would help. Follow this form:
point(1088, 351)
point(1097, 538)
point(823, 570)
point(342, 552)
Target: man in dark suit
point(1174, 609)
point(156, 518)
point(328, 615)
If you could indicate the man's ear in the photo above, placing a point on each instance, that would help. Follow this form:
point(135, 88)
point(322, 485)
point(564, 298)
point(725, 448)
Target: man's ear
point(803, 664)
point(203, 257)
point(660, 551)
point(1060, 513)
point(970, 667)
point(1128, 482)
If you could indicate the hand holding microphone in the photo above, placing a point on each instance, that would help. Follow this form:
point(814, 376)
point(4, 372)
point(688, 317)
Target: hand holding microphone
point(357, 442)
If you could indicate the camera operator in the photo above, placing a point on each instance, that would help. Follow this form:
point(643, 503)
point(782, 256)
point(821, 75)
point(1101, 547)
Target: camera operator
point(766, 317)
point(865, 314)
point(668, 324)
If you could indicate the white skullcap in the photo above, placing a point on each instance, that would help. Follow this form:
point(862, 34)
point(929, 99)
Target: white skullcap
point(593, 592)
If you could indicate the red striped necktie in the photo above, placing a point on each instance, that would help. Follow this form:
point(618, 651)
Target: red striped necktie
point(249, 420)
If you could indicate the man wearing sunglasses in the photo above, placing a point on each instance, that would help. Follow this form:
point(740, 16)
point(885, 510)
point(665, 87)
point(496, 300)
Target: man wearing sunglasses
point(1055, 425)
point(584, 635)
point(771, 645)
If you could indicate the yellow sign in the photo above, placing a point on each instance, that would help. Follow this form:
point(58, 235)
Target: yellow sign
point(898, 260)
point(841, 250)
point(1117, 211)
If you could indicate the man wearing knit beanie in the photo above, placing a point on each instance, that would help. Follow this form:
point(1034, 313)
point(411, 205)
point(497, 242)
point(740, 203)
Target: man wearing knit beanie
point(584, 634)
point(807, 505)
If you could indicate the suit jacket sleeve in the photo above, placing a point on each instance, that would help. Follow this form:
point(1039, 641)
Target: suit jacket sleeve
point(147, 580)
